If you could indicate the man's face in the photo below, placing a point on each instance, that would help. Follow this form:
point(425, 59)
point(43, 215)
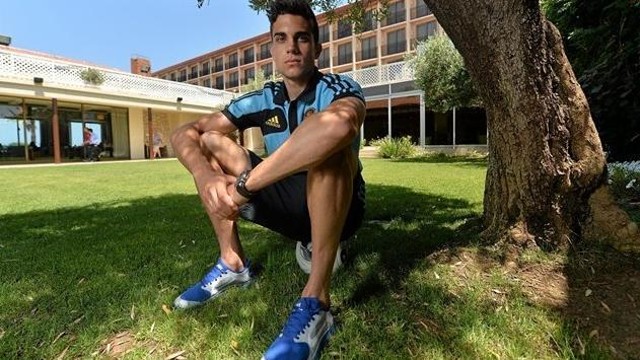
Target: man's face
point(294, 50)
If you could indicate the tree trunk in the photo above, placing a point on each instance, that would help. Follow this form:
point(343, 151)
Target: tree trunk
point(546, 176)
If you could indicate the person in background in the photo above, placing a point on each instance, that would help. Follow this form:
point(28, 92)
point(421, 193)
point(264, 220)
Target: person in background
point(157, 143)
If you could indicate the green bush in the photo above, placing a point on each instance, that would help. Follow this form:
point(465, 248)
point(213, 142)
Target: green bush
point(395, 148)
point(624, 183)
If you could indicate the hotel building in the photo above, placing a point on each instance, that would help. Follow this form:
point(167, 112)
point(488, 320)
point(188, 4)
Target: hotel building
point(46, 101)
point(374, 56)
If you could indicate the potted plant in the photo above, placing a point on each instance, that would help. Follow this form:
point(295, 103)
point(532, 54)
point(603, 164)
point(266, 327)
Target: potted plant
point(92, 76)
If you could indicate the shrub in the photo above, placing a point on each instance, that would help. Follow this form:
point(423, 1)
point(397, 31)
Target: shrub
point(624, 183)
point(395, 148)
point(92, 76)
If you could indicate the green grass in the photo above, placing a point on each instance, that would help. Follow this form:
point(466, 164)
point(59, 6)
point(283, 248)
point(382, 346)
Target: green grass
point(91, 251)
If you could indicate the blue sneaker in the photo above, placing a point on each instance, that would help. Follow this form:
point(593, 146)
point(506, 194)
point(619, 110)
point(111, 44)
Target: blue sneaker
point(305, 334)
point(219, 279)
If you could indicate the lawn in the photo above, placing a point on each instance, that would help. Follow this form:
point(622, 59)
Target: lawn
point(92, 256)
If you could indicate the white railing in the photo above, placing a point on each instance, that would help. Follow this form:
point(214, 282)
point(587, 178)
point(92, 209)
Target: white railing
point(384, 74)
point(25, 67)
point(66, 74)
point(627, 165)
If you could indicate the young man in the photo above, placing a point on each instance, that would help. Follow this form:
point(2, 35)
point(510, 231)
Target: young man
point(309, 188)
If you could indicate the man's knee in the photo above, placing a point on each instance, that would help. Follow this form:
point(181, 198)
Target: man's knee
point(343, 161)
point(225, 152)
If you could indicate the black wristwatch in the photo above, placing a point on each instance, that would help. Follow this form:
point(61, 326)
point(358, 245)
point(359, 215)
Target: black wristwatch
point(241, 185)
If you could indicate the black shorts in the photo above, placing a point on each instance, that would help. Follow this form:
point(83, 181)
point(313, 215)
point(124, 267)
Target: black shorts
point(282, 206)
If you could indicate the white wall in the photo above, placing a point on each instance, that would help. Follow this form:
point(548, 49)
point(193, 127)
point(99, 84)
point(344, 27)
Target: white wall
point(136, 132)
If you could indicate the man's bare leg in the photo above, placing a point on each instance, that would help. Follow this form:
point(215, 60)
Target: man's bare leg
point(329, 192)
point(228, 157)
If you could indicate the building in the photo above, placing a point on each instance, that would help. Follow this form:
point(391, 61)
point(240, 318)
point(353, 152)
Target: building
point(374, 57)
point(46, 102)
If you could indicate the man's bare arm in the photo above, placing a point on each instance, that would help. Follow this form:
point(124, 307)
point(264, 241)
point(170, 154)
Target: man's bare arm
point(186, 141)
point(318, 137)
point(210, 180)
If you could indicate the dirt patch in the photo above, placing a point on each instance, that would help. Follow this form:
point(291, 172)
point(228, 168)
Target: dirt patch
point(596, 290)
point(545, 284)
point(118, 345)
point(604, 298)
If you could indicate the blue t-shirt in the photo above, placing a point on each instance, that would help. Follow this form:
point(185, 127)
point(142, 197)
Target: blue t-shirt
point(277, 116)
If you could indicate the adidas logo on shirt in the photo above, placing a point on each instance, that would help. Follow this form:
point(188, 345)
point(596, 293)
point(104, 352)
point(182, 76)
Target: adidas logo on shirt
point(273, 122)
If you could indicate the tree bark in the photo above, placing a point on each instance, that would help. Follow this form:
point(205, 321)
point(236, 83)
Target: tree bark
point(546, 176)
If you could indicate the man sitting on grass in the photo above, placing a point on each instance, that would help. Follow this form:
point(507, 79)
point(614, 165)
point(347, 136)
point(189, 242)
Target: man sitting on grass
point(309, 188)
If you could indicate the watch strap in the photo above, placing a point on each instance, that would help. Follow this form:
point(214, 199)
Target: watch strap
point(241, 185)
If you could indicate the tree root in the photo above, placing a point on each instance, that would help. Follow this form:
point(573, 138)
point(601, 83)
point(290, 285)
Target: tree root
point(609, 224)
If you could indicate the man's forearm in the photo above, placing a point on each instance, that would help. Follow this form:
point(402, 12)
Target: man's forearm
point(315, 140)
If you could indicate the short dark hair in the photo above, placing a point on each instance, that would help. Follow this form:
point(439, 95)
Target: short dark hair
point(293, 7)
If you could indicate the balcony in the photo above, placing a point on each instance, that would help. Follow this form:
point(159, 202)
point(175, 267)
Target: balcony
point(182, 78)
point(323, 63)
point(343, 59)
point(366, 54)
point(232, 64)
point(394, 48)
point(420, 11)
point(218, 68)
point(205, 71)
point(247, 60)
point(264, 55)
point(394, 17)
point(193, 75)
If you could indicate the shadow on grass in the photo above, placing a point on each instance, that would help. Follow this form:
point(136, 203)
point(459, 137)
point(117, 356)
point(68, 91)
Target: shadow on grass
point(603, 303)
point(71, 277)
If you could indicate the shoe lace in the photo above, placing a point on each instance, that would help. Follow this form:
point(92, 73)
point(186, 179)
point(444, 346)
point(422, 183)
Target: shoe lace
point(299, 320)
point(215, 273)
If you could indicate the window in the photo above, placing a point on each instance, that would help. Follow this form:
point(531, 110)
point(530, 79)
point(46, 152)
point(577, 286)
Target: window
point(324, 34)
point(420, 10)
point(217, 65)
point(396, 13)
point(369, 22)
point(248, 56)
point(183, 75)
point(396, 42)
point(249, 75)
point(233, 80)
point(264, 51)
point(194, 72)
point(369, 48)
point(220, 82)
point(426, 31)
point(267, 70)
point(204, 68)
point(173, 76)
point(344, 54)
point(324, 59)
point(206, 83)
point(233, 61)
point(344, 29)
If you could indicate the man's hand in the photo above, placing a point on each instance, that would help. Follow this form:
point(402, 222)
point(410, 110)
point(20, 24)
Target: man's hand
point(238, 199)
point(213, 190)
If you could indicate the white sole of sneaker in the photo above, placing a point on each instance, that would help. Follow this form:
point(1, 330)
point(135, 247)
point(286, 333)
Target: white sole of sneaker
point(304, 262)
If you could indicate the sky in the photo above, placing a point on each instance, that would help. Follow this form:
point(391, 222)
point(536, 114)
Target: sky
point(110, 32)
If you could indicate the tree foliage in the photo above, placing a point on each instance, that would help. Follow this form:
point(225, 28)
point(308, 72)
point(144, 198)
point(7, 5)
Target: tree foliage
point(441, 74)
point(256, 83)
point(602, 40)
point(355, 13)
